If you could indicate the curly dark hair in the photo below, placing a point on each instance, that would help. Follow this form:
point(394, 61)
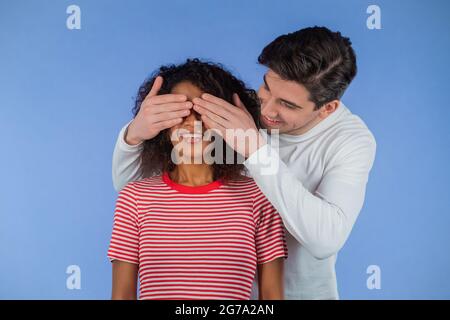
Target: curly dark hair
point(211, 78)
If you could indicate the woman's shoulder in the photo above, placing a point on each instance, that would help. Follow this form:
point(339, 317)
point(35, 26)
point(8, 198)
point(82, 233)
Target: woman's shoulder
point(143, 184)
point(244, 183)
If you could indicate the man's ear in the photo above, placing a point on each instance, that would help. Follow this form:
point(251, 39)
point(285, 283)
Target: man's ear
point(328, 108)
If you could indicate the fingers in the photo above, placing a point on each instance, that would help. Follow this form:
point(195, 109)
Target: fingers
point(212, 107)
point(211, 124)
point(168, 107)
point(211, 115)
point(167, 124)
point(158, 99)
point(238, 103)
point(220, 102)
point(156, 87)
point(170, 115)
point(167, 98)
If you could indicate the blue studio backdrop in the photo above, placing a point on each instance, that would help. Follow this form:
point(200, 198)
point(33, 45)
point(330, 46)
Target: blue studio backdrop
point(67, 89)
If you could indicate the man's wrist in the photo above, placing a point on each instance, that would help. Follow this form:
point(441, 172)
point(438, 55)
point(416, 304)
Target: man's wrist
point(261, 141)
point(132, 141)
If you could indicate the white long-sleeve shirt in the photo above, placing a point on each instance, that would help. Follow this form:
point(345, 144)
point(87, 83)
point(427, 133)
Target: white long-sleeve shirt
point(318, 188)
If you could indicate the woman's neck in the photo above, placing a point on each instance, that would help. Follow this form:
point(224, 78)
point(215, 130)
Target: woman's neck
point(192, 174)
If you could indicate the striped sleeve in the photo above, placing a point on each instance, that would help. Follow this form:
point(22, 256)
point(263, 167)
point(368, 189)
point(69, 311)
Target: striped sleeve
point(270, 237)
point(124, 243)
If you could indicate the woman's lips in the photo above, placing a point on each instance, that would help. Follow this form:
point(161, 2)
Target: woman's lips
point(192, 137)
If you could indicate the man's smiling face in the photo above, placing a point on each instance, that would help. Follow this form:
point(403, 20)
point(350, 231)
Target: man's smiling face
point(285, 106)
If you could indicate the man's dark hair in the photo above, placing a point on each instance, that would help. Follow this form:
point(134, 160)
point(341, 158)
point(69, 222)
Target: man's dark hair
point(321, 60)
point(211, 78)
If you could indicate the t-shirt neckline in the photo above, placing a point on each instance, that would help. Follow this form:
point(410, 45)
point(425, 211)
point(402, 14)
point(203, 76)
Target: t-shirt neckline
point(190, 189)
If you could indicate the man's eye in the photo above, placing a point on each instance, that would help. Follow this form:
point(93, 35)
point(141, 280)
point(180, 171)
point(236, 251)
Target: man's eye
point(290, 106)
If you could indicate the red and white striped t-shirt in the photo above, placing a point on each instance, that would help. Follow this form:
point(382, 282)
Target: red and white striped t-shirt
point(195, 242)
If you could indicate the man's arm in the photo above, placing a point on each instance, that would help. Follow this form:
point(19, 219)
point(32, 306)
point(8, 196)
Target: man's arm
point(320, 221)
point(271, 280)
point(124, 283)
point(126, 161)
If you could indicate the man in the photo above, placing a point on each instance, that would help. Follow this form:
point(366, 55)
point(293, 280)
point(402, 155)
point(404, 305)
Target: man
point(324, 157)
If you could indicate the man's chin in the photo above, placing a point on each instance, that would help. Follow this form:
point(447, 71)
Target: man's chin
point(272, 130)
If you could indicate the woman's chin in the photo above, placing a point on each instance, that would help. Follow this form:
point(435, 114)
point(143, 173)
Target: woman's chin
point(193, 157)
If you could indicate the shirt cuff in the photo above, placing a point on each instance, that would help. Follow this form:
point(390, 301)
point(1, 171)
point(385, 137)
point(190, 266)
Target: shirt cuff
point(124, 145)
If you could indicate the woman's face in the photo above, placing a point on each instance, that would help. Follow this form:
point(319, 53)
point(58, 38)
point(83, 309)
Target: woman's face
point(187, 136)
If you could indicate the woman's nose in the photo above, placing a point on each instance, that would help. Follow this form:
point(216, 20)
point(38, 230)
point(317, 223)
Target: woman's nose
point(192, 116)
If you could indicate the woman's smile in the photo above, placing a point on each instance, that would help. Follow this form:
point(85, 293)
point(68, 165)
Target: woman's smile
point(192, 137)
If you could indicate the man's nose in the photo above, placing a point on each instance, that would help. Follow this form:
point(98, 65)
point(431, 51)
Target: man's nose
point(269, 108)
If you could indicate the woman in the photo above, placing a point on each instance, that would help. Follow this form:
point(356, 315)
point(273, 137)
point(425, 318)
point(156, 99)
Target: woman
point(192, 229)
